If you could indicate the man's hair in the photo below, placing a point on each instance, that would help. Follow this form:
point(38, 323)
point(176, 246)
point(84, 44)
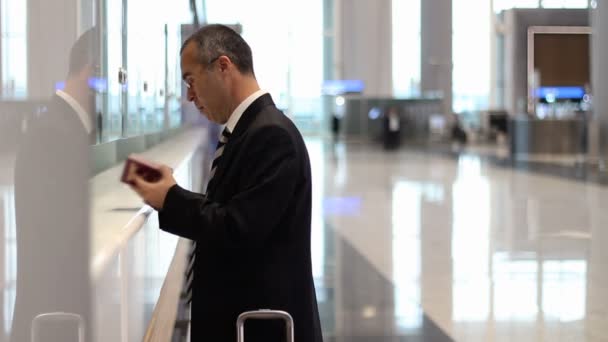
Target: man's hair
point(86, 51)
point(213, 41)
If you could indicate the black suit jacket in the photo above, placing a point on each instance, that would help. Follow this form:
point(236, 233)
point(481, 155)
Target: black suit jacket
point(52, 218)
point(252, 231)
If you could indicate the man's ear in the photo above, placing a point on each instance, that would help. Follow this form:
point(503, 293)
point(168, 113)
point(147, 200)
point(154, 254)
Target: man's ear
point(86, 72)
point(224, 62)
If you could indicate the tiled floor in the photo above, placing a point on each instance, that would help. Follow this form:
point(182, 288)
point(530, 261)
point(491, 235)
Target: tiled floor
point(568, 167)
point(357, 303)
point(412, 246)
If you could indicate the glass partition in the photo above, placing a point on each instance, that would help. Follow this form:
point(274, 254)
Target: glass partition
point(141, 43)
point(113, 123)
point(13, 26)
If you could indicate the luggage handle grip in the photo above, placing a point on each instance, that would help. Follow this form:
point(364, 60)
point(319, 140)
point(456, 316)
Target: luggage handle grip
point(56, 317)
point(264, 314)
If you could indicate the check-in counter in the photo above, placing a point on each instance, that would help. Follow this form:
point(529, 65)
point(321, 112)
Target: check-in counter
point(559, 137)
point(364, 116)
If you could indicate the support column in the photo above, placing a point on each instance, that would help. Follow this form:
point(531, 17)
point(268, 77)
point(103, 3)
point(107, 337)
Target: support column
point(436, 50)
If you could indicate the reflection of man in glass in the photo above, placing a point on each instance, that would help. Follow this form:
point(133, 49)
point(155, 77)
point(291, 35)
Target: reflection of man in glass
point(78, 92)
point(51, 200)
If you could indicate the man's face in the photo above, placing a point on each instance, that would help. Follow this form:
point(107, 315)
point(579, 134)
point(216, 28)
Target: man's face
point(204, 87)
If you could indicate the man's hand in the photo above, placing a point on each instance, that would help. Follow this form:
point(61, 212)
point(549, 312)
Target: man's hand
point(154, 194)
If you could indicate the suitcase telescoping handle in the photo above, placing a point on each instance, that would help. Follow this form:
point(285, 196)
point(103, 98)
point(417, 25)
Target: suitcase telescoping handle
point(264, 314)
point(56, 317)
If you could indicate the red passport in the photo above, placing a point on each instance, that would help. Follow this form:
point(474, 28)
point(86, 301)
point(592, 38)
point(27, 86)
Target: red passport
point(136, 165)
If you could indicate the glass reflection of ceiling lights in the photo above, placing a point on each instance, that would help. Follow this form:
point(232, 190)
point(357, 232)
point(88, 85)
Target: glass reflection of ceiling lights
point(471, 215)
point(514, 290)
point(564, 289)
point(516, 294)
point(505, 286)
point(434, 193)
point(406, 221)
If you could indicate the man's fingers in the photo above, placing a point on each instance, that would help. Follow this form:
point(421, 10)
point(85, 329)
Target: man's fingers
point(141, 182)
point(166, 171)
point(135, 186)
point(153, 193)
point(140, 186)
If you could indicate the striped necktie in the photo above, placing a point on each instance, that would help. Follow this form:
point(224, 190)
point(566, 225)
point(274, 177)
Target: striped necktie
point(219, 150)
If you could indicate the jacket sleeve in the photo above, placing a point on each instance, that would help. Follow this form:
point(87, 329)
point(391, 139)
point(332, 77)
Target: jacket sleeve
point(270, 174)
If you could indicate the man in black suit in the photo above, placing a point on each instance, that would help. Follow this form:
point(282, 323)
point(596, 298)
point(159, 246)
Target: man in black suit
point(252, 227)
point(51, 205)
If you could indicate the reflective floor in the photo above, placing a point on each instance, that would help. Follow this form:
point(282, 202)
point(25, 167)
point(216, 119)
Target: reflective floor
point(412, 246)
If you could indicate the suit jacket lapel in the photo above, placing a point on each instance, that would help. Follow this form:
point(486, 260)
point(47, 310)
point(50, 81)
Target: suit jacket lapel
point(241, 127)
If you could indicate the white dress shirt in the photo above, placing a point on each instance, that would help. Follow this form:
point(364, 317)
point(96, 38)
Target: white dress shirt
point(240, 109)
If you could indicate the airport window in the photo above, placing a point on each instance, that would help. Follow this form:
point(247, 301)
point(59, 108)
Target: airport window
point(268, 39)
point(406, 47)
point(112, 99)
point(471, 55)
point(146, 75)
point(142, 48)
point(14, 48)
point(287, 51)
